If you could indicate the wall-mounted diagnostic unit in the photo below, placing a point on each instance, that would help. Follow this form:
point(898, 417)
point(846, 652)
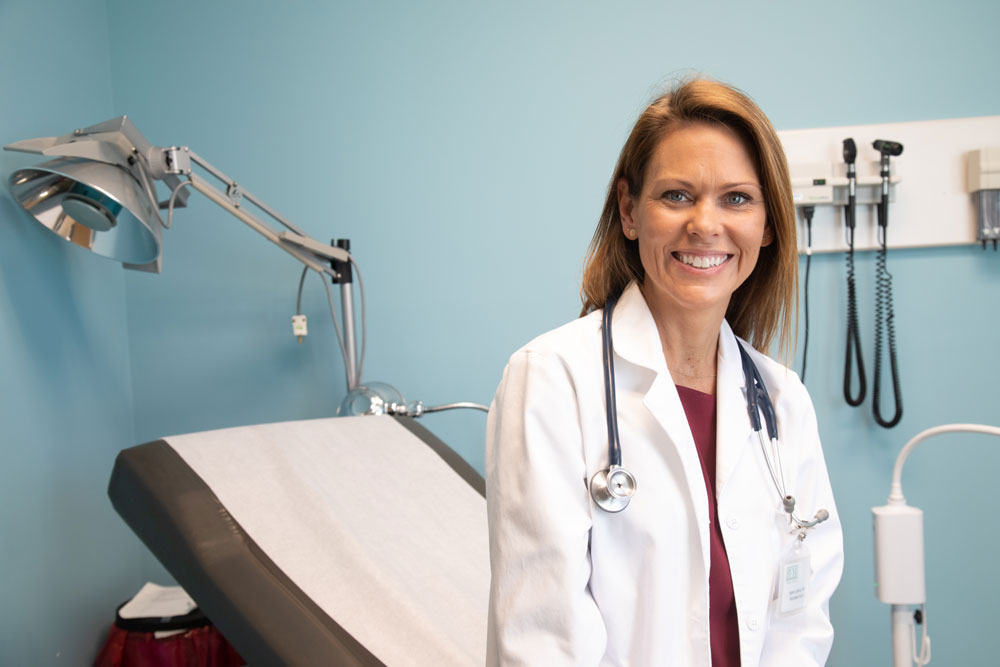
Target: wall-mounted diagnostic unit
point(929, 186)
point(944, 191)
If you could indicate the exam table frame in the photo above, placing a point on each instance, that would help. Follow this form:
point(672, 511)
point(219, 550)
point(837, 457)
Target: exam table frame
point(263, 614)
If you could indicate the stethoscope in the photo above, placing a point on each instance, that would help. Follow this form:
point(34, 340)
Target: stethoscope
point(613, 487)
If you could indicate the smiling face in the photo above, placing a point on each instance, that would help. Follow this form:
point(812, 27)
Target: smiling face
point(700, 220)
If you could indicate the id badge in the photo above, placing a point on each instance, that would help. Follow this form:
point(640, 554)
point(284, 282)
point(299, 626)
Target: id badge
point(794, 572)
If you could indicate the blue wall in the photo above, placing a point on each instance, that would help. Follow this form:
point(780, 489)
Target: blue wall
point(464, 149)
point(66, 560)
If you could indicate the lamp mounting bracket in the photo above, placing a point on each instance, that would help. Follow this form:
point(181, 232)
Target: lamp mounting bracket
point(235, 194)
point(178, 160)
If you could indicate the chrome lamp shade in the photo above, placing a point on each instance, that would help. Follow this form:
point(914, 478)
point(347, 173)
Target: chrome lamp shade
point(98, 206)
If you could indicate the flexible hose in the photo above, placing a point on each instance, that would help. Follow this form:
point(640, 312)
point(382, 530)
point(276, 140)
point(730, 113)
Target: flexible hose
point(456, 406)
point(298, 300)
point(333, 313)
point(807, 212)
point(172, 202)
point(896, 490)
point(852, 358)
point(805, 343)
point(883, 306)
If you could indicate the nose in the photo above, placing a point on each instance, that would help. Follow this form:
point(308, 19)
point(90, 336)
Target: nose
point(704, 219)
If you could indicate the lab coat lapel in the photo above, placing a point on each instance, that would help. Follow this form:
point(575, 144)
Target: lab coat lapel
point(637, 340)
point(733, 431)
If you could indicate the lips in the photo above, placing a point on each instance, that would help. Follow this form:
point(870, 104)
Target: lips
point(701, 261)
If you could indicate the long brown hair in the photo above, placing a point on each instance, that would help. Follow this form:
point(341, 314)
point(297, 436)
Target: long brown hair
point(763, 305)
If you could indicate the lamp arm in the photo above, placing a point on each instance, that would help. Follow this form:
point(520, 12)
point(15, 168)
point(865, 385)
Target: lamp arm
point(177, 161)
point(896, 493)
point(307, 258)
point(238, 191)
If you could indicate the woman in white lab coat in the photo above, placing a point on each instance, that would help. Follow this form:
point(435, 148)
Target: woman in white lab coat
point(697, 241)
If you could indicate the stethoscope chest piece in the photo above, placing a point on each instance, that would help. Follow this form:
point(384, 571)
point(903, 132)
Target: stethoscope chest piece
point(612, 488)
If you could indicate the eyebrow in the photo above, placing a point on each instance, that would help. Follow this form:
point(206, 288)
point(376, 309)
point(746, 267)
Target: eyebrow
point(725, 186)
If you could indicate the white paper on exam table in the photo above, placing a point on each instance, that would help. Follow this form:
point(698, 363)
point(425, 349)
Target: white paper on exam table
point(366, 519)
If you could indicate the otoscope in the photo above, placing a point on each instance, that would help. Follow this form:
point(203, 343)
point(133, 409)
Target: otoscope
point(853, 355)
point(883, 292)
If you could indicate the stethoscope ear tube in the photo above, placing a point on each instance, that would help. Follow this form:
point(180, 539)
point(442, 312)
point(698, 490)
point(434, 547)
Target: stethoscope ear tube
point(758, 400)
point(759, 403)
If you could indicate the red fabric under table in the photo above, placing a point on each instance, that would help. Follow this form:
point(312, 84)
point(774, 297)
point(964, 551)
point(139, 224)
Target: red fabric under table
point(198, 647)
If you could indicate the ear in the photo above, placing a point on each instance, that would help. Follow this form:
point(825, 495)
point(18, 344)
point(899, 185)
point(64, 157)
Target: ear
point(768, 237)
point(625, 206)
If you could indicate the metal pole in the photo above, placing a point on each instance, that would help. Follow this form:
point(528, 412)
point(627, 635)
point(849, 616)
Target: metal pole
point(351, 360)
point(345, 278)
point(902, 636)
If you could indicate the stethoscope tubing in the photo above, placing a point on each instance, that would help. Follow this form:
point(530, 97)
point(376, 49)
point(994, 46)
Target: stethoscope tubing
point(610, 398)
point(758, 404)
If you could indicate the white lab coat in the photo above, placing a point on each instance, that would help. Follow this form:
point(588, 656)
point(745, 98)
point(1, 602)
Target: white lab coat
point(574, 585)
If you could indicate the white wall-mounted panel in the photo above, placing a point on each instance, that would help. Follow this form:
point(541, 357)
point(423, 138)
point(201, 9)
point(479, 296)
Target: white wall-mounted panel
point(930, 206)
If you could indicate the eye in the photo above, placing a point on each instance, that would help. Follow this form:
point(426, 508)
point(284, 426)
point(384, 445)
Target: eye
point(674, 196)
point(737, 198)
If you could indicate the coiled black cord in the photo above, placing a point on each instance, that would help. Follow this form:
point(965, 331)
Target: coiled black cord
point(852, 358)
point(807, 213)
point(883, 305)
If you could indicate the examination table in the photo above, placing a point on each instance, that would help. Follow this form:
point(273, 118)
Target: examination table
point(350, 541)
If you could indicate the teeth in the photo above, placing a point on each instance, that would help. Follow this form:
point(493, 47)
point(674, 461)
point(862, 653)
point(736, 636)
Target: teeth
point(701, 261)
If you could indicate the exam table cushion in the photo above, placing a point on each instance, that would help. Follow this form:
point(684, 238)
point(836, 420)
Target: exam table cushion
point(348, 541)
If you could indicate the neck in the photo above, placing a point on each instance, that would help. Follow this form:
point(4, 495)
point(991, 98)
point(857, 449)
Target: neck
point(690, 341)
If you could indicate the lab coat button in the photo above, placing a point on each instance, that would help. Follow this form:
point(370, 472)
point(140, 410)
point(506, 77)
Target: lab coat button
point(733, 522)
point(753, 622)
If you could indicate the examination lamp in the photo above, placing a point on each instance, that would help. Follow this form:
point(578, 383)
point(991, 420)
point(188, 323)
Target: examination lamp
point(99, 192)
point(899, 557)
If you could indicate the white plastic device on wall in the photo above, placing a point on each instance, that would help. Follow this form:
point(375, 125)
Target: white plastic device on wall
point(825, 183)
point(929, 185)
point(899, 556)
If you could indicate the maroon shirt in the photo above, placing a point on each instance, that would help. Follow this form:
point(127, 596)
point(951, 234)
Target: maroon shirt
point(724, 629)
